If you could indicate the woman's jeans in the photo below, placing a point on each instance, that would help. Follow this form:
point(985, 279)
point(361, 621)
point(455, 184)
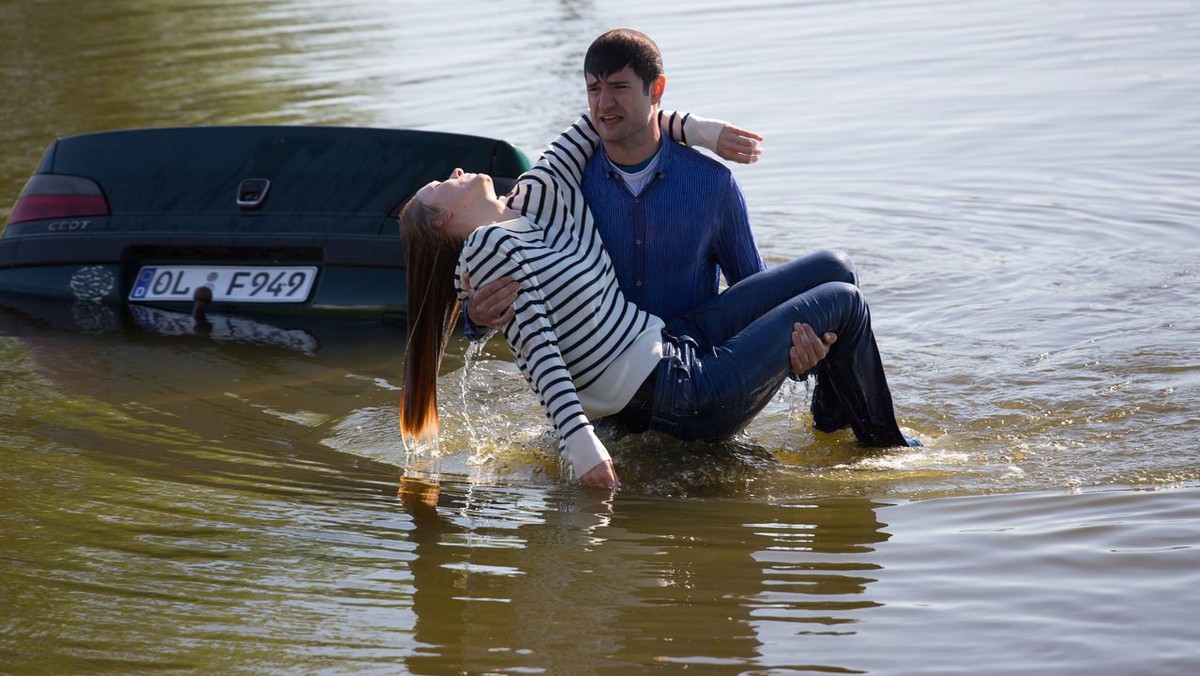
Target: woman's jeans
point(725, 360)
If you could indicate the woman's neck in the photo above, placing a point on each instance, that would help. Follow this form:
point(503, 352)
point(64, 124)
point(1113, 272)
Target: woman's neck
point(487, 212)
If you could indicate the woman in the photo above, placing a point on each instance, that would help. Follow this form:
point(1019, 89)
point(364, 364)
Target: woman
point(590, 353)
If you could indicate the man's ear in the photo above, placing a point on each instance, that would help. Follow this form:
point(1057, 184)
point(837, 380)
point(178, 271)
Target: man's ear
point(656, 89)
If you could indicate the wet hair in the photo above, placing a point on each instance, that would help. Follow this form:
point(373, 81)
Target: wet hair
point(622, 47)
point(433, 306)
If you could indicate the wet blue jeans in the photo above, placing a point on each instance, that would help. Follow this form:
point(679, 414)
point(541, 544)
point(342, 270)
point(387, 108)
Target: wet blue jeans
point(725, 360)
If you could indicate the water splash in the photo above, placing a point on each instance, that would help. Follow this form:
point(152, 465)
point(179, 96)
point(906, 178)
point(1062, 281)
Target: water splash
point(422, 458)
point(799, 403)
point(471, 355)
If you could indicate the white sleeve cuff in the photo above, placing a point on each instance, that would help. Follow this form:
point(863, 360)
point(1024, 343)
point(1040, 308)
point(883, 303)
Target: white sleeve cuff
point(584, 451)
point(703, 131)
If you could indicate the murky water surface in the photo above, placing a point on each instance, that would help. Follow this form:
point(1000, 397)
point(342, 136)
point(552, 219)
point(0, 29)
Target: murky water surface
point(1017, 183)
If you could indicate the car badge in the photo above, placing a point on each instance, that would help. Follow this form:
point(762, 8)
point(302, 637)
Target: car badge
point(252, 192)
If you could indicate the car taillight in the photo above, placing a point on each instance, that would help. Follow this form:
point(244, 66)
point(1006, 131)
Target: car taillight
point(49, 196)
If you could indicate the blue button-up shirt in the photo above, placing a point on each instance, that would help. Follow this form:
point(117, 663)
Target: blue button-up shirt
point(670, 244)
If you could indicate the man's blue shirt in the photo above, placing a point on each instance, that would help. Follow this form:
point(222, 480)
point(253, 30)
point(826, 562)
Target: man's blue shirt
point(670, 244)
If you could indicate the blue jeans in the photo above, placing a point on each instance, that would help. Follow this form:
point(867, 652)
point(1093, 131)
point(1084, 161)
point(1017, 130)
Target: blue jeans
point(725, 360)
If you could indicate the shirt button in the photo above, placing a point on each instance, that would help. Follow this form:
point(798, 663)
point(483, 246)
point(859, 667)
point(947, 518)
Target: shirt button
point(639, 283)
point(638, 241)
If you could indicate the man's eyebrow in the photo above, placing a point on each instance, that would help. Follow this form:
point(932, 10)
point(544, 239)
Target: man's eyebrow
point(610, 83)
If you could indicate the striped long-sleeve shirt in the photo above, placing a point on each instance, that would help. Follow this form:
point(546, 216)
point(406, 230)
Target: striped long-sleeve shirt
point(571, 320)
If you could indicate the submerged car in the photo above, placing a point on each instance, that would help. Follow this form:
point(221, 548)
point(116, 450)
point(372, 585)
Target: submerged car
point(263, 220)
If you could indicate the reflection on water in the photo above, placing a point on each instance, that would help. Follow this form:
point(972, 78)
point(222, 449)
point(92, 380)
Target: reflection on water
point(506, 580)
point(1016, 183)
point(222, 328)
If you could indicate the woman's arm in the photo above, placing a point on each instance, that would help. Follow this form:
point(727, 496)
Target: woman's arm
point(548, 192)
point(727, 141)
point(494, 252)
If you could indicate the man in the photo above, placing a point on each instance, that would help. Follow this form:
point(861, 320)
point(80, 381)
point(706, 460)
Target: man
point(671, 218)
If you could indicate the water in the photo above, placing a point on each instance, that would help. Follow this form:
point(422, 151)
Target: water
point(1016, 182)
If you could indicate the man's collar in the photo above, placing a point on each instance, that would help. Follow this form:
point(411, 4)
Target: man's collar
point(666, 149)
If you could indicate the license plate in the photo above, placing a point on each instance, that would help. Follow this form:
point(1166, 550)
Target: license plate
point(247, 284)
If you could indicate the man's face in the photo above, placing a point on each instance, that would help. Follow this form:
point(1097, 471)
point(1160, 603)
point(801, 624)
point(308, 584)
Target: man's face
point(621, 108)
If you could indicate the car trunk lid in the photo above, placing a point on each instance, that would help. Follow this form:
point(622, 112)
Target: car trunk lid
point(333, 180)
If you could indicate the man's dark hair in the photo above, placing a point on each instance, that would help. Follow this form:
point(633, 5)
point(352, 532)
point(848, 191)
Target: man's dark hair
point(622, 47)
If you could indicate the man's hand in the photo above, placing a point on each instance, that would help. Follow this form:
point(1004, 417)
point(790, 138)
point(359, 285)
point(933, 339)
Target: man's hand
point(807, 348)
point(601, 476)
point(739, 145)
point(491, 305)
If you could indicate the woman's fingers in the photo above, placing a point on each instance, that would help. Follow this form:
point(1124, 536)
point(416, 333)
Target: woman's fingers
point(739, 145)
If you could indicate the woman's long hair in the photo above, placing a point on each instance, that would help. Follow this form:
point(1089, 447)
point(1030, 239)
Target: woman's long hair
point(433, 306)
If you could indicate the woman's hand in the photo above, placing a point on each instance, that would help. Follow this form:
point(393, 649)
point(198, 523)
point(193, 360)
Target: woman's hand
point(601, 476)
point(739, 145)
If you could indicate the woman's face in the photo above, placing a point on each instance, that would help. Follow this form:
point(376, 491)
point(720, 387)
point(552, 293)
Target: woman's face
point(458, 193)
